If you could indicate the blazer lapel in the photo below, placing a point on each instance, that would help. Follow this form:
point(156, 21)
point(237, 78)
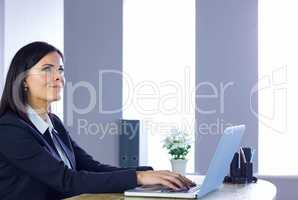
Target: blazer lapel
point(42, 140)
point(67, 151)
point(12, 118)
point(65, 143)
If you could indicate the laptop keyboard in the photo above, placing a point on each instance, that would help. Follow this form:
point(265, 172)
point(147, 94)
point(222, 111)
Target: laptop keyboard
point(160, 188)
point(192, 189)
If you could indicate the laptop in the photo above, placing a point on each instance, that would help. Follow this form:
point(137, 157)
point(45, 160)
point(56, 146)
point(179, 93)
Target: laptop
point(218, 169)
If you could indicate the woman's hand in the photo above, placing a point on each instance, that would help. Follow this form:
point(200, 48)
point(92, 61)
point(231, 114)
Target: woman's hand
point(166, 178)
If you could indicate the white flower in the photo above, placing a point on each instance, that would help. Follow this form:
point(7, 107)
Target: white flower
point(178, 144)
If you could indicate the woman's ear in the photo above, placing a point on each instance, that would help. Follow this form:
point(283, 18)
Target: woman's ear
point(25, 85)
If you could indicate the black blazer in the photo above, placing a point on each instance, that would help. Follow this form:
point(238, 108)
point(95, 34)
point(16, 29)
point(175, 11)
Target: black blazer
point(31, 170)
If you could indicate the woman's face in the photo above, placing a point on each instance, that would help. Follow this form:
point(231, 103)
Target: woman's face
point(45, 80)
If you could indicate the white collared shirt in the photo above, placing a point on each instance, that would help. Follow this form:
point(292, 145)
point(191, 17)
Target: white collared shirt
point(42, 126)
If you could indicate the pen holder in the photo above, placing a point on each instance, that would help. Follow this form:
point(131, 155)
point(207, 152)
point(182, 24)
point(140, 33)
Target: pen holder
point(241, 168)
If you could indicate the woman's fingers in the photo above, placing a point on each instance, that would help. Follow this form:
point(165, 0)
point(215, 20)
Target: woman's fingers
point(168, 184)
point(189, 182)
point(166, 178)
point(186, 180)
point(173, 180)
point(183, 179)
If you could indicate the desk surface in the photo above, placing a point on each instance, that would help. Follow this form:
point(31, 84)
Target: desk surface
point(262, 190)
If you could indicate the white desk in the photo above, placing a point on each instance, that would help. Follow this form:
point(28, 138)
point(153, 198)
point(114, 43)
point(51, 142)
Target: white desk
point(262, 190)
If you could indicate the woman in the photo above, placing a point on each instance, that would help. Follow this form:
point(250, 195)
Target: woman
point(38, 158)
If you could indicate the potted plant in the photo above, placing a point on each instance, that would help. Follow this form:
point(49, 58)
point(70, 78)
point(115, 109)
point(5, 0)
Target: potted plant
point(178, 145)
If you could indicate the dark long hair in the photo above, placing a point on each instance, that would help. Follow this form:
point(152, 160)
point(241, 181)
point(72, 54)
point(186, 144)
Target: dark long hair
point(14, 96)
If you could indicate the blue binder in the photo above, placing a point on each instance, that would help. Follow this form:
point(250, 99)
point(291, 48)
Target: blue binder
point(129, 143)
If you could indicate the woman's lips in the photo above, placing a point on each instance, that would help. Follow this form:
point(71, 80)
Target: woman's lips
point(56, 86)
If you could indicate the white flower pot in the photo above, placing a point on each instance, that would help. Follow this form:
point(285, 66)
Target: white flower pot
point(179, 166)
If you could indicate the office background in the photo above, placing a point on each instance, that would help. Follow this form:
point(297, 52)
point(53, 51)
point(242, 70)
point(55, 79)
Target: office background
point(90, 35)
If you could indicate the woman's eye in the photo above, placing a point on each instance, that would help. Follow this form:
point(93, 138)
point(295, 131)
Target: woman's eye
point(61, 69)
point(46, 69)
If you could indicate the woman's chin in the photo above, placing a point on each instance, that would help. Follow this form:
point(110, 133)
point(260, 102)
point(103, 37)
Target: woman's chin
point(53, 99)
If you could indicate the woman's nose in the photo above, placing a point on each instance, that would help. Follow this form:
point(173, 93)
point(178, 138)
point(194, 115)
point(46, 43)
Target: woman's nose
point(58, 75)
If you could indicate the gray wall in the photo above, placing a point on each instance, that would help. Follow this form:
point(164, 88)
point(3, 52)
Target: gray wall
point(2, 20)
point(227, 51)
point(93, 42)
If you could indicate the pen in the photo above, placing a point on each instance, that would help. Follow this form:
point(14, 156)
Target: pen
point(252, 155)
point(243, 155)
point(239, 160)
